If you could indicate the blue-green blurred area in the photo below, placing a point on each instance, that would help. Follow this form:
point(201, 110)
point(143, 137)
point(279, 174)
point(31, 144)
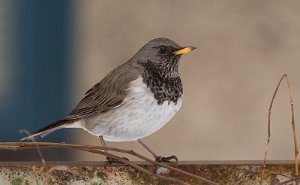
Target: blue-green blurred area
point(34, 67)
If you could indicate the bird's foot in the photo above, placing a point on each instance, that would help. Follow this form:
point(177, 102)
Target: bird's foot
point(167, 159)
point(111, 160)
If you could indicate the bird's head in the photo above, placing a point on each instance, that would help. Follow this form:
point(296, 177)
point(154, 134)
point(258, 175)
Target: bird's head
point(161, 50)
point(163, 54)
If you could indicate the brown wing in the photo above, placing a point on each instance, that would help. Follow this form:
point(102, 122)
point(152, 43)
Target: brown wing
point(107, 94)
point(92, 104)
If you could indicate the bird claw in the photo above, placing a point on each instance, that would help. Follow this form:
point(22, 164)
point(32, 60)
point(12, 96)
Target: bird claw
point(111, 160)
point(166, 159)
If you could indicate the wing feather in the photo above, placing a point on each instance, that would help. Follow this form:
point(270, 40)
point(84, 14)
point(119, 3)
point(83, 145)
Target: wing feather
point(105, 95)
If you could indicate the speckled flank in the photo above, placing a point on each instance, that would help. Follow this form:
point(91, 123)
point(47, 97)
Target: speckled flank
point(95, 174)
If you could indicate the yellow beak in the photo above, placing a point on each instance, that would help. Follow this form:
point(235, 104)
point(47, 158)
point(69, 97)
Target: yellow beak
point(184, 50)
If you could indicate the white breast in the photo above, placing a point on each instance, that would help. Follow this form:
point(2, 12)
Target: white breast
point(138, 117)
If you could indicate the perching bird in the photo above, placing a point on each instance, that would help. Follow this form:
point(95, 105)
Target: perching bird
point(134, 100)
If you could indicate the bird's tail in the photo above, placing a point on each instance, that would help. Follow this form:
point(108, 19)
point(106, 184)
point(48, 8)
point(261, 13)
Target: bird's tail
point(48, 129)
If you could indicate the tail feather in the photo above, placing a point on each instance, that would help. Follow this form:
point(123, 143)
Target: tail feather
point(48, 129)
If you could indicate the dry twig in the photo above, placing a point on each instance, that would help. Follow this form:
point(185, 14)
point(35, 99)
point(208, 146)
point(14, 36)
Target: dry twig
point(100, 150)
point(37, 147)
point(40, 154)
point(293, 125)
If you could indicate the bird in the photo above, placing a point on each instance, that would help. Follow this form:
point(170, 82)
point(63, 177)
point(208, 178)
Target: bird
point(134, 100)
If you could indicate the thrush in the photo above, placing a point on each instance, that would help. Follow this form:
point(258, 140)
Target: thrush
point(134, 100)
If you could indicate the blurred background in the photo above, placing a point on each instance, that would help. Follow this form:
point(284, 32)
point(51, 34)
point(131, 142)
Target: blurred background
point(52, 51)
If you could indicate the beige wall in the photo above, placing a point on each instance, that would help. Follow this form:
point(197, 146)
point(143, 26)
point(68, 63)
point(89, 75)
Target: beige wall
point(243, 49)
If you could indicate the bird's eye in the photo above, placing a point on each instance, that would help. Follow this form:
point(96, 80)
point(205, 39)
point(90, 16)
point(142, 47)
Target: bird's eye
point(163, 50)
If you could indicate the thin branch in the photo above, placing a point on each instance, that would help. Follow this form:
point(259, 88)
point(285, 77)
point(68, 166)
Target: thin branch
point(293, 126)
point(164, 165)
point(37, 146)
point(39, 152)
point(269, 127)
point(96, 149)
point(124, 161)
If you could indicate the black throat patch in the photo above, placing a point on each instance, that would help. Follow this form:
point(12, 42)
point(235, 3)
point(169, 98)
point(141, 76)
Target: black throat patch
point(163, 81)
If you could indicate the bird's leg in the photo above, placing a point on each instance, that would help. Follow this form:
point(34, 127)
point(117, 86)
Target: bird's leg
point(108, 158)
point(158, 158)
